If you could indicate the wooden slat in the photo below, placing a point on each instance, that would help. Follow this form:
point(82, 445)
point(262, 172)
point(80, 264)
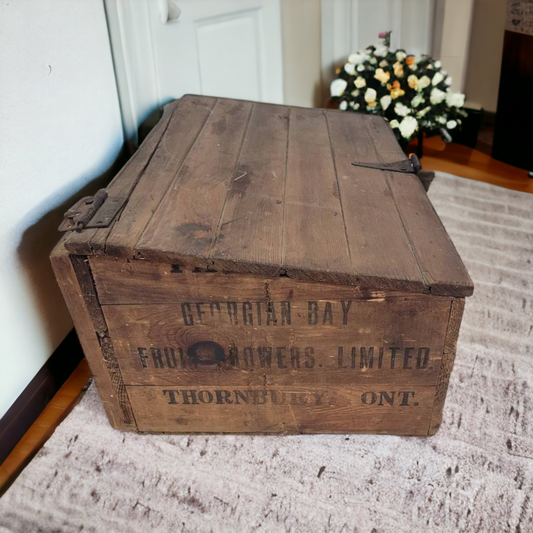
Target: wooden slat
point(394, 329)
point(441, 265)
point(185, 224)
point(291, 409)
point(76, 301)
point(122, 281)
point(314, 238)
point(380, 249)
point(250, 232)
point(93, 241)
point(448, 358)
point(179, 137)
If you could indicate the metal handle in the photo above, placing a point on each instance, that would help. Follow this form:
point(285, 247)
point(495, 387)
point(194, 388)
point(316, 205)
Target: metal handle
point(168, 10)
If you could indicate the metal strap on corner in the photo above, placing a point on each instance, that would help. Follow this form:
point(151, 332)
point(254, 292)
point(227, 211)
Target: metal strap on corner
point(407, 166)
point(96, 211)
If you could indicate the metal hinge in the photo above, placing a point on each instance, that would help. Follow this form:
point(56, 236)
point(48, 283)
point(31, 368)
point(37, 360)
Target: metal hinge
point(407, 166)
point(96, 211)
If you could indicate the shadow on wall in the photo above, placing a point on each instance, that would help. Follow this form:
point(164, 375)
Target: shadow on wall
point(37, 243)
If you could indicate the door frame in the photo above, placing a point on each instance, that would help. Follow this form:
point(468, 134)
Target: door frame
point(133, 50)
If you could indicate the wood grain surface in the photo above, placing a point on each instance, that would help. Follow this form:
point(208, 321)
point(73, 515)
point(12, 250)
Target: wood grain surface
point(222, 333)
point(244, 187)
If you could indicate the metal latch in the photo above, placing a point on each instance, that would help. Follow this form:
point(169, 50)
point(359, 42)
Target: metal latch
point(407, 166)
point(96, 211)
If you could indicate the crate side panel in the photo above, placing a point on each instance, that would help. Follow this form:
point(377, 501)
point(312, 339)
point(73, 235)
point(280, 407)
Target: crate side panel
point(277, 409)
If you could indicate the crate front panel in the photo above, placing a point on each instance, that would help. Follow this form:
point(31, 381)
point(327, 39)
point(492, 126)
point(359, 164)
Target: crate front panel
point(309, 358)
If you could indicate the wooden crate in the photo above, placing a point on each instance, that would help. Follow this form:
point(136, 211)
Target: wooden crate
point(241, 275)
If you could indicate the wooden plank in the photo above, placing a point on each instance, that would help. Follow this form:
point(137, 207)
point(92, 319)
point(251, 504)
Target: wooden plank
point(187, 122)
point(294, 409)
point(380, 249)
point(250, 232)
point(185, 224)
point(77, 300)
point(439, 261)
point(448, 358)
point(122, 281)
point(315, 246)
point(285, 342)
point(93, 241)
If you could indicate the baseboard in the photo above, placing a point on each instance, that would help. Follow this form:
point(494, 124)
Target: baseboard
point(41, 389)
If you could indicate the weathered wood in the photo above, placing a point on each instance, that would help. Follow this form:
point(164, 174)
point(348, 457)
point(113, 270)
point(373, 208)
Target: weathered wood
point(185, 125)
point(93, 241)
point(184, 226)
point(122, 281)
point(251, 228)
point(448, 358)
point(256, 188)
point(439, 261)
point(295, 409)
point(315, 246)
point(381, 252)
point(247, 339)
point(258, 282)
point(82, 305)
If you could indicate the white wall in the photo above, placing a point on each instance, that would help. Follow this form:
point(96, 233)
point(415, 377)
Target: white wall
point(60, 128)
point(485, 53)
point(301, 49)
point(453, 21)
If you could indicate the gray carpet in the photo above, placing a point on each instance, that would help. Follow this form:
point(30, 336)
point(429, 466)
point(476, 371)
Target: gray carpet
point(476, 474)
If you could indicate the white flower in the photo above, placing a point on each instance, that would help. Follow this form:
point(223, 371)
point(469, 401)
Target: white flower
point(414, 66)
point(360, 67)
point(381, 50)
point(383, 63)
point(355, 92)
point(417, 100)
point(337, 87)
point(343, 105)
point(408, 126)
point(438, 64)
point(455, 99)
point(437, 78)
point(423, 82)
point(370, 95)
point(421, 113)
point(385, 101)
point(436, 96)
point(359, 82)
point(357, 58)
point(350, 68)
point(373, 61)
point(448, 81)
point(400, 55)
point(354, 105)
point(394, 123)
point(401, 110)
point(451, 124)
point(442, 120)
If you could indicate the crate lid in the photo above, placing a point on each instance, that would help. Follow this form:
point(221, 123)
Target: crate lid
point(237, 186)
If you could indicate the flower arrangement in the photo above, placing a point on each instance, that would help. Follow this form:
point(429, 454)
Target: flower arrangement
point(412, 93)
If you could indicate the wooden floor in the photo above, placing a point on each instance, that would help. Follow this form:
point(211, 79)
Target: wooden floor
point(54, 413)
point(451, 158)
point(468, 163)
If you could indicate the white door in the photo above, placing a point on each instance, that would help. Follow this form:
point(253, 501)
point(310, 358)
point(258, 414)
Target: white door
point(164, 49)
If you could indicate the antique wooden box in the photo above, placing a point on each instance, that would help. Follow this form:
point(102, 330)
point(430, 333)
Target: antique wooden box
point(240, 274)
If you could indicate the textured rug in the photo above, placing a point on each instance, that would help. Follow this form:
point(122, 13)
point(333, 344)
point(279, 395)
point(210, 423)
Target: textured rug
point(476, 474)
